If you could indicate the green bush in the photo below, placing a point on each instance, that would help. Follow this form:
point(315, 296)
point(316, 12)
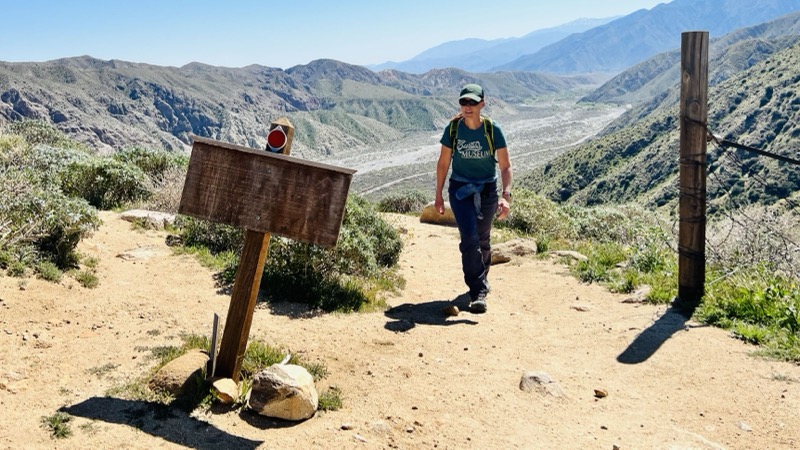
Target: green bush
point(217, 238)
point(154, 163)
point(758, 306)
point(339, 278)
point(47, 270)
point(403, 203)
point(344, 277)
point(46, 219)
point(105, 183)
point(535, 215)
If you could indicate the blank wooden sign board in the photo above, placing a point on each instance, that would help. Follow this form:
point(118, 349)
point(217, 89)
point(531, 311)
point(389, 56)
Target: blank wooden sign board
point(263, 192)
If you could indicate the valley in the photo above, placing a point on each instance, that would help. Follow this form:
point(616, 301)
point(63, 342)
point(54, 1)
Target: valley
point(535, 133)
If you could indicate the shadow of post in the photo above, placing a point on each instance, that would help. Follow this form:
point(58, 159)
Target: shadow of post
point(156, 419)
point(650, 340)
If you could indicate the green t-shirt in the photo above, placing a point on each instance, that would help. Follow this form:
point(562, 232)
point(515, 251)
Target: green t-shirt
point(471, 157)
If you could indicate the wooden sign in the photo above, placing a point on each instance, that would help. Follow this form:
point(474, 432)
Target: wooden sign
point(268, 192)
point(262, 191)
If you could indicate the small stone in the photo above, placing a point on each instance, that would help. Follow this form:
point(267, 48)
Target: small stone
point(615, 447)
point(600, 393)
point(347, 426)
point(359, 438)
point(745, 427)
point(452, 310)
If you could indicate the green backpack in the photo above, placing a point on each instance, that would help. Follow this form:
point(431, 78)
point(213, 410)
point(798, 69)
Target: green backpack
point(488, 129)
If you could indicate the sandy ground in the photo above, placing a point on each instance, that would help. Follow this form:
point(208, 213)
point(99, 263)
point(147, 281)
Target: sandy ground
point(411, 377)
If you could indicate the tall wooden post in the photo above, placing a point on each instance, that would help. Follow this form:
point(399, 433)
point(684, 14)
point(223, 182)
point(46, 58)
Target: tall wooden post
point(692, 209)
point(248, 275)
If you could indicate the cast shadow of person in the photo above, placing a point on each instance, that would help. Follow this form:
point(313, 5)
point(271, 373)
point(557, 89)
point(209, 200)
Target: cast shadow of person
point(409, 315)
point(651, 339)
point(164, 421)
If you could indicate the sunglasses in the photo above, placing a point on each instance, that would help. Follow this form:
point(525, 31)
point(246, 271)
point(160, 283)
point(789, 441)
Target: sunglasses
point(467, 102)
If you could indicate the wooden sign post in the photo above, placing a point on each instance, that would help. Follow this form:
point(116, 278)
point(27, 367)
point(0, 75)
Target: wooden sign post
point(263, 192)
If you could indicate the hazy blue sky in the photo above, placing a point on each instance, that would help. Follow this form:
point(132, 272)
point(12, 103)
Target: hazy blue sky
point(277, 34)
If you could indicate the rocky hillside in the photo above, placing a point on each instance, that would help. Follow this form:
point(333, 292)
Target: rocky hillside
point(759, 107)
point(335, 106)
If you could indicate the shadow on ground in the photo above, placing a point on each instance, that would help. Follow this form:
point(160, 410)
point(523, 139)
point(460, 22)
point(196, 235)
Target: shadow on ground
point(409, 315)
point(651, 339)
point(163, 421)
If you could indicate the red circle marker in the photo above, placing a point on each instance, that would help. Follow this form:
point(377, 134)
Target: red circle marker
point(276, 139)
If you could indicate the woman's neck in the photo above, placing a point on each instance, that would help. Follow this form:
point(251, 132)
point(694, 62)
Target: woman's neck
point(473, 122)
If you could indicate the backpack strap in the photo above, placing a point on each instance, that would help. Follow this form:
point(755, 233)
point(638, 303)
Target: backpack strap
point(488, 130)
point(454, 130)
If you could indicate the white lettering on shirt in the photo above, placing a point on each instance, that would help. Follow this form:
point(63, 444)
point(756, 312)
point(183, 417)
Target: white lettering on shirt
point(472, 150)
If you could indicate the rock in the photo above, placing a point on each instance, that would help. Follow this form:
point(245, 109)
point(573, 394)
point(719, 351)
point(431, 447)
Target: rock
point(430, 215)
point(176, 376)
point(151, 219)
point(505, 252)
point(542, 383)
point(451, 310)
point(600, 393)
point(140, 254)
point(284, 391)
point(227, 390)
point(639, 295)
point(571, 254)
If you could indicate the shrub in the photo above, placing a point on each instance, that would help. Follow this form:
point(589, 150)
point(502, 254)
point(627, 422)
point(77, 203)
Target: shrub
point(341, 278)
point(46, 219)
point(403, 203)
point(760, 307)
point(46, 270)
point(154, 163)
point(58, 425)
point(166, 191)
point(105, 183)
point(87, 279)
point(217, 238)
point(535, 215)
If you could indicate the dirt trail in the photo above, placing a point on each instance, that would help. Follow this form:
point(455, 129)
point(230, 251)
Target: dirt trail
point(411, 377)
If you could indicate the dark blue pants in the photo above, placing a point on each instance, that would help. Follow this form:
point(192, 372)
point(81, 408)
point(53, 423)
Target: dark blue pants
point(475, 246)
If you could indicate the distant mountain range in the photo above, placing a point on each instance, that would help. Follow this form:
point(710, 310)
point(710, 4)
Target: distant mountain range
point(479, 55)
point(601, 45)
point(754, 99)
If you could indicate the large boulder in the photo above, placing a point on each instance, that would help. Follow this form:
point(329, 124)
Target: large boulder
point(503, 253)
point(430, 215)
point(284, 391)
point(176, 376)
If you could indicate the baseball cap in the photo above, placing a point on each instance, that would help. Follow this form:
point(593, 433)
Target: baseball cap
point(472, 92)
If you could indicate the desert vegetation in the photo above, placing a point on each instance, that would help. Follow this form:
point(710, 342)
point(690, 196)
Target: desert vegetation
point(52, 189)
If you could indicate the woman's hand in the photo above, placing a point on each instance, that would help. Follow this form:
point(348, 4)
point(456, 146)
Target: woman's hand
point(439, 203)
point(503, 208)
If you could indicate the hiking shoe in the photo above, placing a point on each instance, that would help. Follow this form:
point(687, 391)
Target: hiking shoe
point(478, 304)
